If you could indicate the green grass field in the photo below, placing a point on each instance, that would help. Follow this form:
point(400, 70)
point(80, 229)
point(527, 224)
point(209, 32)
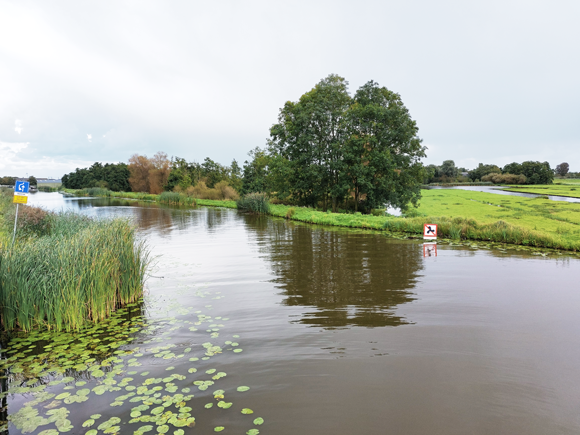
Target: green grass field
point(561, 189)
point(559, 219)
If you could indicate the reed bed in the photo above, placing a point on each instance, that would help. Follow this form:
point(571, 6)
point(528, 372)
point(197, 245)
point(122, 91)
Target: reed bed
point(176, 198)
point(254, 202)
point(83, 271)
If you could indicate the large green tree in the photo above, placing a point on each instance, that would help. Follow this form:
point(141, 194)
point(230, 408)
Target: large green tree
point(310, 135)
point(383, 152)
point(334, 146)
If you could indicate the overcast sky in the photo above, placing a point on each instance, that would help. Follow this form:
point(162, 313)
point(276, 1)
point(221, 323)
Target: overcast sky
point(84, 81)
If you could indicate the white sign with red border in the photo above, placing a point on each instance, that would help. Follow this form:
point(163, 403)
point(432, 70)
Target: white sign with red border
point(430, 231)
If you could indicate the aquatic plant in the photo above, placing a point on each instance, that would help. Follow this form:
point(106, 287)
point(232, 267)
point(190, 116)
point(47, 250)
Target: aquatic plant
point(82, 271)
point(256, 202)
point(176, 198)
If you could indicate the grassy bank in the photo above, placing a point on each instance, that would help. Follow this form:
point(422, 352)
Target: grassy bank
point(461, 215)
point(81, 270)
point(569, 189)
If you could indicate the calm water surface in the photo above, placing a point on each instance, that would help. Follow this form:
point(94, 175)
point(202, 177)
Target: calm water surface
point(350, 332)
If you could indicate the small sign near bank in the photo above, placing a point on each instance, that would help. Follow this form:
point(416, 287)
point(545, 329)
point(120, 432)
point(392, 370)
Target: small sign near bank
point(430, 231)
point(20, 199)
point(21, 189)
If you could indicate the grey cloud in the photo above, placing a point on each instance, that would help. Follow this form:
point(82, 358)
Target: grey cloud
point(486, 81)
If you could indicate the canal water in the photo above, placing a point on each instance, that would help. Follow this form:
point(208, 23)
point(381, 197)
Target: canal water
point(334, 331)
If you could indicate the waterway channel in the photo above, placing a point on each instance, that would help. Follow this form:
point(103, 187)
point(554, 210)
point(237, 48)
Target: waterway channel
point(334, 331)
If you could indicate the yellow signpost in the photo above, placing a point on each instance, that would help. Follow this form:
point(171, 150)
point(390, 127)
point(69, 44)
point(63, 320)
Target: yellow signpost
point(20, 199)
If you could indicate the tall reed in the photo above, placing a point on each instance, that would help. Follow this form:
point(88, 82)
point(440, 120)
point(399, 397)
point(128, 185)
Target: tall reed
point(176, 198)
point(254, 202)
point(83, 271)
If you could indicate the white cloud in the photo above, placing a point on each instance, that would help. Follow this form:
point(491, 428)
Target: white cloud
point(89, 137)
point(18, 126)
point(18, 159)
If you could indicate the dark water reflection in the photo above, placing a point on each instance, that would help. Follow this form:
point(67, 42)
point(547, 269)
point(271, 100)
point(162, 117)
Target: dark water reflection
point(486, 341)
point(353, 279)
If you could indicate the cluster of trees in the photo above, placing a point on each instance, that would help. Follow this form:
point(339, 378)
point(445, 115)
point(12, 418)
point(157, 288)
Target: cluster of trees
point(11, 181)
point(110, 176)
point(529, 172)
point(8, 181)
point(327, 149)
point(447, 172)
point(330, 147)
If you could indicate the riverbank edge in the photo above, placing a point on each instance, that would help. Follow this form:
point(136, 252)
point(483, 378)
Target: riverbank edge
point(451, 229)
point(526, 190)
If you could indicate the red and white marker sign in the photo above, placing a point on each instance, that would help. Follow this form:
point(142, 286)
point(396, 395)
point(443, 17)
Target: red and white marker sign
point(430, 231)
point(429, 249)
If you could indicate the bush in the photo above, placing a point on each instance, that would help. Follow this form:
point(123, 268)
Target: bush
point(256, 202)
point(505, 178)
point(32, 221)
point(221, 191)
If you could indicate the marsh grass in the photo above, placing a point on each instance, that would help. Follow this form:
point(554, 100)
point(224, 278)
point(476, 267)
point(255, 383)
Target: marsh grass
point(256, 202)
point(82, 271)
point(176, 199)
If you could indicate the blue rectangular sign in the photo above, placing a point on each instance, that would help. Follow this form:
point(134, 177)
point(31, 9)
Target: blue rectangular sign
point(21, 187)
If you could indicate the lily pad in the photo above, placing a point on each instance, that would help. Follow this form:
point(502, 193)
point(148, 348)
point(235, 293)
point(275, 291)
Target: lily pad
point(243, 388)
point(258, 421)
point(218, 429)
point(247, 411)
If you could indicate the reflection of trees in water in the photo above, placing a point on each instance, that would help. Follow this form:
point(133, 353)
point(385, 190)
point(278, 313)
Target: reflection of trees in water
point(353, 278)
point(162, 219)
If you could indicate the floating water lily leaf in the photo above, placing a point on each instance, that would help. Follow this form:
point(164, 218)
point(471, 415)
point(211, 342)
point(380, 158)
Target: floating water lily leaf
point(243, 388)
point(218, 429)
point(237, 350)
point(50, 432)
point(91, 432)
point(210, 371)
point(62, 396)
point(224, 405)
point(96, 416)
point(258, 421)
point(208, 405)
point(253, 432)
point(163, 429)
point(247, 411)
point(89, 422)
point(179, 432)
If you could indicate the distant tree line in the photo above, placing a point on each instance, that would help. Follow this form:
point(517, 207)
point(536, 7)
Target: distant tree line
point(110, 176)
point(529, 172)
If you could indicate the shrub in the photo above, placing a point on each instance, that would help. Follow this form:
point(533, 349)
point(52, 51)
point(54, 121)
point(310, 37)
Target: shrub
point(221, 191)
point(256, 202)
point(505, 178)
point(290, 213)
point(32, 221)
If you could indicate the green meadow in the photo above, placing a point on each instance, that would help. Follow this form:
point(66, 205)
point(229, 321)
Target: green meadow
point(565, 188)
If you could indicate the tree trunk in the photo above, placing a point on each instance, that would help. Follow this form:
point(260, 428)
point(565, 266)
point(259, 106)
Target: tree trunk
point(334, 204)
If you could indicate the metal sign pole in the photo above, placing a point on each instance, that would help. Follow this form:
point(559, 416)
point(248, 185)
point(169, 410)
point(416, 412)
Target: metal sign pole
point(15, 220)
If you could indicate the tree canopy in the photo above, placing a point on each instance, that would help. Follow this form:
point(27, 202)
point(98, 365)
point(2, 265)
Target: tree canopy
point(335, 146)
point(112, 176)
